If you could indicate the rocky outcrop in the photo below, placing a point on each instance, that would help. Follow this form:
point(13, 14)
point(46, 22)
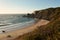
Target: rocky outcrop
point(47, 14)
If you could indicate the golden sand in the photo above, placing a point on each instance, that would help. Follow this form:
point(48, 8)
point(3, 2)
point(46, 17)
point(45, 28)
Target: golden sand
point(19, 32)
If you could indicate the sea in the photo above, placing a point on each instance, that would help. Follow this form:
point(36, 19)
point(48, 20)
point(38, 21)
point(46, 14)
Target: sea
point(11, 22)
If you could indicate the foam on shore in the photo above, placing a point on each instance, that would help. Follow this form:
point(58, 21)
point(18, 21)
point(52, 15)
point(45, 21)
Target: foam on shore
point(16, 26)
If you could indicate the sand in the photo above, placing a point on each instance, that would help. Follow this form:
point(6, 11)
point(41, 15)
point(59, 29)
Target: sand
point(19, 32)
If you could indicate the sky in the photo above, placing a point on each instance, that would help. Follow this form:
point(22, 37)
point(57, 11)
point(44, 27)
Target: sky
point(26, 6)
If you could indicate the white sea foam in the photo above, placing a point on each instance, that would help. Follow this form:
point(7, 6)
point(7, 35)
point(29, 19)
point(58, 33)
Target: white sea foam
point(16, 26)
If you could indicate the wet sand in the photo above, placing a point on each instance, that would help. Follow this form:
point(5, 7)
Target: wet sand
point(19, 32)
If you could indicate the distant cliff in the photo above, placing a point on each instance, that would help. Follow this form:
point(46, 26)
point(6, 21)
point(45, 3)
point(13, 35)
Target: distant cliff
point(47, 14)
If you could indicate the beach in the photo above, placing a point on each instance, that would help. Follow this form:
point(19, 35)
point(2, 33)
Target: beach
point(16, 33)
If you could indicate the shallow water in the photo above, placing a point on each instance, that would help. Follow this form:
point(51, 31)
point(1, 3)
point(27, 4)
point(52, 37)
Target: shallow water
point(9, 22)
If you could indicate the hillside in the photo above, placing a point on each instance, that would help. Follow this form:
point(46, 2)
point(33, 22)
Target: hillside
point(51, 31)
point(46, 14)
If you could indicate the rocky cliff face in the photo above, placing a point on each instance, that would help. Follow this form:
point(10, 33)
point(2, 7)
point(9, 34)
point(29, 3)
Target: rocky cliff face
point(47, 14)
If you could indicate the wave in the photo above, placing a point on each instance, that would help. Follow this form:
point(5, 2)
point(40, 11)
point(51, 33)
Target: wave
point(15, 26)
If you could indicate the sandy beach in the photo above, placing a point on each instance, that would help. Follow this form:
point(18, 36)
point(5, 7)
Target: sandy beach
point(19, 32)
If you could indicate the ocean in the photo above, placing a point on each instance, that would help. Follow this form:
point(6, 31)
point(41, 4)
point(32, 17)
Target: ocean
point(10, 22)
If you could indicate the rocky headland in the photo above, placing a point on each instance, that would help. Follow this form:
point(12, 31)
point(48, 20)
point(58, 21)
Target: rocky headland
point(50, 31)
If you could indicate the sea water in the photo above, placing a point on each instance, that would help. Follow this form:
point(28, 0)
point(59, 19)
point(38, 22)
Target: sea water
point(10, 22)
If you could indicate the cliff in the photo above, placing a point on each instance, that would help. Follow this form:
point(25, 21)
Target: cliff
point(51, 31)
point(47, 14)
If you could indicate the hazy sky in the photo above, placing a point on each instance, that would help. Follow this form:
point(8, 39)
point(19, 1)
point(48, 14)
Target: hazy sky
point(25, 6)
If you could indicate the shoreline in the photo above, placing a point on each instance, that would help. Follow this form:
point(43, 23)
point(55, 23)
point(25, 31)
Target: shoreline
point(17, 26)
point(19, 32)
